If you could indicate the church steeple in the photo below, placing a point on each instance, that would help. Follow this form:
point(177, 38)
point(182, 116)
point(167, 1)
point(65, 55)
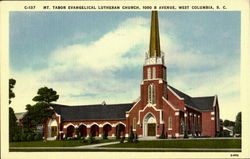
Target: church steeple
point(154, 46)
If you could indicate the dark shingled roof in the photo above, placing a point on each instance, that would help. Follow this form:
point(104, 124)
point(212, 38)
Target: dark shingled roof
point(200, 103)
point(92, 112)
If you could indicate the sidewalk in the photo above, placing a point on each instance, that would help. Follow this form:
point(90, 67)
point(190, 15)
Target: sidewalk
point(97, 145)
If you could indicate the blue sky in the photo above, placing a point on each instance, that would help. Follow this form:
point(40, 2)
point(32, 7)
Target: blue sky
point(89, 57)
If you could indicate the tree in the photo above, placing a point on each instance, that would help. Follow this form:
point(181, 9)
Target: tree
point(12, 83)
point(228, 123)
point(238, 124)
point(13, 126)
point(162, 136)
point(118, 132)
point(131, 135)
point(46, 95)
point(40, 112)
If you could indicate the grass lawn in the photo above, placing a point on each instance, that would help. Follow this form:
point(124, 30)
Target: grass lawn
point(198, 143)
point(56, 143)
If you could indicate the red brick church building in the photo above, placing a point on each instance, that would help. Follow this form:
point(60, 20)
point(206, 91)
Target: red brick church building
point(160, 107)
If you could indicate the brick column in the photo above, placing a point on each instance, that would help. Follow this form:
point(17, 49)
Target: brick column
point(88, 131)
point(100, 131)
point(113, 130)
point(177, 124)
point(127, 126)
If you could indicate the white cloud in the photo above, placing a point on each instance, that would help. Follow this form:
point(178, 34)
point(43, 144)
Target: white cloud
point(84, 73)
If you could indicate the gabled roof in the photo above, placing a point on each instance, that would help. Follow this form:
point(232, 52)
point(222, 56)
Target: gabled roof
point(92, 112)
point(203, 104)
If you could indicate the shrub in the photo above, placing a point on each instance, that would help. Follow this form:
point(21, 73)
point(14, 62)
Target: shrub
point(38, 137)
point(136, 139)
point(166, 135)
point(30, 137)
point(16, 137)
point(131, 135)
point(104, 136)
point(122, 140)
point(162, 136)
point(91, 139)
point(23, 137)
point(83, 139)
point(66, 136)
point(185, 134)
point(118, 132)
point(76, 133)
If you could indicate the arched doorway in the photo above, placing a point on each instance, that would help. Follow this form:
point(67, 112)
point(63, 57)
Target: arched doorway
point(70, 131)
point(107, 130)
point(82, 131)
point(94, 130)
point(122, 129)
point(52, 129)
point(149, 125)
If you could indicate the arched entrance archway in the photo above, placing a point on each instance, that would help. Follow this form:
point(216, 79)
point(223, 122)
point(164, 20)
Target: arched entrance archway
point(107, 130)
point(82, 131)
point(94, 130)
point(70, 131)
point(52, 129)
point(122, 129)
point(149, 125)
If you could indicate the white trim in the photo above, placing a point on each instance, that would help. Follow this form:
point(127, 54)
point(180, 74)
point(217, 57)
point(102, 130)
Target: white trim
point(170, 104)
point(66, 126)
point(215, 99)
point(170, 129)
point(127, 115)
point(134, 106)
point(156, 79)
point(160, 81)
point(161, 118)
point(175, 94)
point(176, 113)
point(106, 123)
point(212, 118)
point(176, 134)
point(145, 125)
point(94, 123)
point(120, 123)
point(212, 113)
point(82, 124)
point(59, 116)
point(149, 105)
point(154, 60)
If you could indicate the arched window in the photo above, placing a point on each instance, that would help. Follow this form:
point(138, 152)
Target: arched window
point(134, 123)
point(151, 94)
point(154, 73)
point(149, 73)
point(170, 122)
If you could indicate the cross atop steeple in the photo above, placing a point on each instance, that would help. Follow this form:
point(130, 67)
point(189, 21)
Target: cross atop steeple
point(154, 46)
